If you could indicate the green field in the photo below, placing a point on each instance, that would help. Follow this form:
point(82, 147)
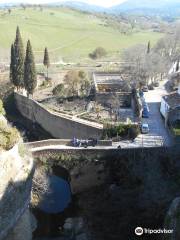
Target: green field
point(68, 34)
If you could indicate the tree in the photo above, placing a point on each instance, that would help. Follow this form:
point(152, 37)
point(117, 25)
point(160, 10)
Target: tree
point(12, 66)
point(46, 60)
point(2, 111)
point(149, 47)
point(114, 105)
point(77, 83)
point(177, 66)
point(98, 53)
point(59, 90)
point(18, 61)
point(30, 78)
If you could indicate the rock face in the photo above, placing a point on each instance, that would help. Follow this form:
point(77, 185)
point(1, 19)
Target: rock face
point(22, 228)
point(172, 220)
point(76, 228)
point(16, 171)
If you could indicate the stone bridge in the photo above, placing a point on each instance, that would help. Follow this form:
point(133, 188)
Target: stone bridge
point(89, 167)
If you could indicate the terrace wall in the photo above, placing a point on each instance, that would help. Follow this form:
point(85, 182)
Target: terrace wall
point(58, 125)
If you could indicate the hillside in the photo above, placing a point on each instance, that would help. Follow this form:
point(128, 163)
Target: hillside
point(150, 7)
point(67, 33)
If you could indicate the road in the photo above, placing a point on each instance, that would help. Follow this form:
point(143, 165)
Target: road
point(158, 133)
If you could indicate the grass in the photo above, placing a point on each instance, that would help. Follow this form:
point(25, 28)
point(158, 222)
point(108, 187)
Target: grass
point(67, 33)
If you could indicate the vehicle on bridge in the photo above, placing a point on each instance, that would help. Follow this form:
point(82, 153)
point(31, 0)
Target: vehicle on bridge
point(84, 143)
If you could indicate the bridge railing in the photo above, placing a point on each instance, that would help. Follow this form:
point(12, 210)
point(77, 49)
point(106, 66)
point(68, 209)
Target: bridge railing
point(57, 142)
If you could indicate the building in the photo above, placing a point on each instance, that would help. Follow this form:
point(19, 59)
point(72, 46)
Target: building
point(108, 85)
point(170, 106)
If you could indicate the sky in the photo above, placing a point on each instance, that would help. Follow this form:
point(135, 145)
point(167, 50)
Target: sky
point(104, 3)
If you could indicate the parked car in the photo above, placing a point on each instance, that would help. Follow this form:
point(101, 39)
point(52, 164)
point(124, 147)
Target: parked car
point(141, 94)
point(92, 142)
point(144, 128)
point(156, 84)
point(145, 113)
point(150, 87)
point(145, 107)
point(145, 89)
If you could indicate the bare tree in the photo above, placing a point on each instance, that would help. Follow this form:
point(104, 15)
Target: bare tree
point(114, 105)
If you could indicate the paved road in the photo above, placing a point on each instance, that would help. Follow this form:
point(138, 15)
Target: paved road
point(158, 133)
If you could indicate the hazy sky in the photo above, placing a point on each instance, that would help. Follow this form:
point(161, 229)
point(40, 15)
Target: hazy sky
point(104, 3)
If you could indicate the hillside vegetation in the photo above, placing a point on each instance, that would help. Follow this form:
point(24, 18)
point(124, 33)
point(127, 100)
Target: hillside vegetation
point(68, 34)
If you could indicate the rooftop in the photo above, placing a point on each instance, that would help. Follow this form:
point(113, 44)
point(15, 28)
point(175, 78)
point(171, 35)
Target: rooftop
point(108, 78)
point(173, 100)
point(113, 80)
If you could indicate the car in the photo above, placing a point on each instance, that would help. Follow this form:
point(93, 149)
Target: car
point(151, 87)
point(145, 89)
point(145, 107)
point(92, 142)
point(145, 113)
point(144, 128)
point(141, 94)
point(156, 84)
point(84, 143)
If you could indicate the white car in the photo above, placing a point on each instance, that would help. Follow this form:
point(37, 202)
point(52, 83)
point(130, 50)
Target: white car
point(145, 128)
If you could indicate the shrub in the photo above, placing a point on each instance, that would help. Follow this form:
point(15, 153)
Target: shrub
point(46, 83)
point(176, 128)
point(2, 111)
point(59, 90)
point(123, 130)
point(9, 136)
point(98, 53)
point(77, 83)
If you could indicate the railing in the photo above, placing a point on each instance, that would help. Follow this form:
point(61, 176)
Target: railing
point(61, 142)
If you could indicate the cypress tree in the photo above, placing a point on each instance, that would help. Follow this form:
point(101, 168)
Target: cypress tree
point(30, 78)
point(177, 66)
point(18, 60)
point(149, 47)
point(46, 60)
point(12, 66)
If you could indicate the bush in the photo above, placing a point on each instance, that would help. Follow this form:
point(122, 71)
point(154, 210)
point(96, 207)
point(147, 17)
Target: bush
point(98, 53)
point(2, 111)
point(77, 83)
point(122, 130)
point(176, 128)
point(59, 90)
point(9, 136)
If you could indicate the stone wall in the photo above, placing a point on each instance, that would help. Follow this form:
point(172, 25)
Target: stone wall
point(58, 125)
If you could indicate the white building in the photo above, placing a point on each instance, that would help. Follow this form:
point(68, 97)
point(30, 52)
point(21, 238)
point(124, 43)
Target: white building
point(170, 103)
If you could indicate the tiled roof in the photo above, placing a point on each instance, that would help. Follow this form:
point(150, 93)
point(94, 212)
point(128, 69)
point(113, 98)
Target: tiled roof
point(173, 100)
